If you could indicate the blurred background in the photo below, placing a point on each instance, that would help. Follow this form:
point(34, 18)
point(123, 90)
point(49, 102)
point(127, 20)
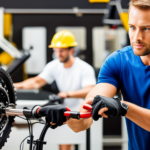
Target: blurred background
point(27, 27)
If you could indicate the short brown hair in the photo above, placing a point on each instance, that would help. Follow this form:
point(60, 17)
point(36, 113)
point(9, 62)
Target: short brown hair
point(142, 4)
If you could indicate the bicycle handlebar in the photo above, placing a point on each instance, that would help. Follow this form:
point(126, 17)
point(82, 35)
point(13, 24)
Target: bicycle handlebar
point(78, 115)
point(28, 113)
point(34, 112)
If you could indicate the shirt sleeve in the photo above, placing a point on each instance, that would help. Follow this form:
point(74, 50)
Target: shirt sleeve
point(88, 76)
point(111, 70)
point(47, 73)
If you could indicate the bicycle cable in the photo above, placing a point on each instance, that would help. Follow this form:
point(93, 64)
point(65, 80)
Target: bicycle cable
point(27, 121)
point(22, 143)
point(30, 126)
point(30, 131)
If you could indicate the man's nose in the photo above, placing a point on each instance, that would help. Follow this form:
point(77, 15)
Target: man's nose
point(138, 36)
point(57, 53)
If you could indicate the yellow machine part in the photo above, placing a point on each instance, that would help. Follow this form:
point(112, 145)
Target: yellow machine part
point(7, 24)
point(99, 1)
point(25, 76)
point(125, 18)
point(5, 58)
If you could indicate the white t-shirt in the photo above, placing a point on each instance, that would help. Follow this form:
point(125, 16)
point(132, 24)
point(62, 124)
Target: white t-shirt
point(78, 76)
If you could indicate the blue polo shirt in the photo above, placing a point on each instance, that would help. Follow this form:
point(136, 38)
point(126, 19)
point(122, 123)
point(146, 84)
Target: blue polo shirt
point(127, 73)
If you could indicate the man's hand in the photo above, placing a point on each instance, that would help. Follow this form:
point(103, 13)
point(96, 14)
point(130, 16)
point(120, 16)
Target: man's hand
point(18, 86)
point(31, 83)
point(106, 107)
point(54, 115)
point(63, 94)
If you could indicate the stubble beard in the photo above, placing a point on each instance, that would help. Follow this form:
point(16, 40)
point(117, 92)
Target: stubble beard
point(65, 59)
point(144, 53)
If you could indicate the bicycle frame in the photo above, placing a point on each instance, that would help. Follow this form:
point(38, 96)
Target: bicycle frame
point(29, 114)
point(33, 114)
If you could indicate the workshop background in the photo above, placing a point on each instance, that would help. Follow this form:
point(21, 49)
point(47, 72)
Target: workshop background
point(99, 28)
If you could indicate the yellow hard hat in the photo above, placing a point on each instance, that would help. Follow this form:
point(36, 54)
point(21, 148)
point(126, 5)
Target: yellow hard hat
point(63, 39)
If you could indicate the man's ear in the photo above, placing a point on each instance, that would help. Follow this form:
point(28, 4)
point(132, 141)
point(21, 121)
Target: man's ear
point(72, 51)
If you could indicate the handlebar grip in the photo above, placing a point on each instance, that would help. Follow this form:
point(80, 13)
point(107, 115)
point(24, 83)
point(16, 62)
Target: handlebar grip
point(36, 112)
point(85, 115)
point(77, 115)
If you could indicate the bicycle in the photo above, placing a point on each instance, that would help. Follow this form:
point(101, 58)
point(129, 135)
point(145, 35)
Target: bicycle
point(8, 112)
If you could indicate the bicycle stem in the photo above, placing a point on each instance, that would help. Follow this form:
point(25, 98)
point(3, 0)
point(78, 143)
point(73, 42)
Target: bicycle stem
point(14, 112)
point(21, 112)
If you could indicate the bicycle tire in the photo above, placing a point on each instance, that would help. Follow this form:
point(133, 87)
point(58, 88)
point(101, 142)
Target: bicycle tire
point(9, 97)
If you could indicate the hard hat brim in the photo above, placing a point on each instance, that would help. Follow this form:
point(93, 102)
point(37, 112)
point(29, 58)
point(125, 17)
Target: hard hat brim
point(63, 46)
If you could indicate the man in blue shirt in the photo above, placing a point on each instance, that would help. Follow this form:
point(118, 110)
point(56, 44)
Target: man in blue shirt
point(127, 70)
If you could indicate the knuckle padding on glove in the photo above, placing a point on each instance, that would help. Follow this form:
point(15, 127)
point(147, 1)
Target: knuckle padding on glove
point(96, 105)
point(112, 104)
point(54, 114)
point(95, 115)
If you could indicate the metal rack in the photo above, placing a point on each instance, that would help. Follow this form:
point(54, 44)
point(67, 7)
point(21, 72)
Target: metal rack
point(4, 44)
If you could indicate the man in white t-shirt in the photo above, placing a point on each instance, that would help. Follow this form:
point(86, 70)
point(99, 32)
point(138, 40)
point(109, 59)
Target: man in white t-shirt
point(74, 77)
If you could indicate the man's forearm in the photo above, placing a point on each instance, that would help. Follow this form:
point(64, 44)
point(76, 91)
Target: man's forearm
point(100, 89)
point(80, 93)
point(138, 115)
point(82, 124)
point(32, 83)
point(27, 84)
point(79, 125)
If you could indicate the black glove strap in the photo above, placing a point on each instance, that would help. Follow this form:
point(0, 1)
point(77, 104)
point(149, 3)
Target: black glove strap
point(124, 108)
point(123, 113)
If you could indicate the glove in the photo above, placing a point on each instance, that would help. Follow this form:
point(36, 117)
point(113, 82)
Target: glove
point(55, 98)
point(54, 114)
point(113, 104)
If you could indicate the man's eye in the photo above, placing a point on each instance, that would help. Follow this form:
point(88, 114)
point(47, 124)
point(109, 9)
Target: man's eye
point(131, 27)
point(146, 29)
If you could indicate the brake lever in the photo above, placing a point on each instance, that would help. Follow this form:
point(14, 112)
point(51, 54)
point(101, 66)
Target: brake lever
point(77, 114)
point(88, 107)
